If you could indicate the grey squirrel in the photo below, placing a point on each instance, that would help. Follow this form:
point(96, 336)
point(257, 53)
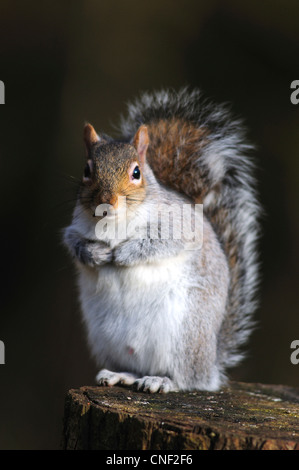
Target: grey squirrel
point(161, 314)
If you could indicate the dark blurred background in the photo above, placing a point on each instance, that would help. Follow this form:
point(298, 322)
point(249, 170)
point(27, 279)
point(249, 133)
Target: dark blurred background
point(65, 62)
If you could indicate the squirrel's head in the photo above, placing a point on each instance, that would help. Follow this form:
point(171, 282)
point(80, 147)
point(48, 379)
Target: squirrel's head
point(113, 169)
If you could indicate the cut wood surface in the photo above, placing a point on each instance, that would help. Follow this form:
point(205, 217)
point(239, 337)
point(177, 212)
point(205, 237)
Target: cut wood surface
point(241, 416)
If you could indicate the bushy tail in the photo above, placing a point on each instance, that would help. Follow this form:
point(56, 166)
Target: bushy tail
point(198, 149)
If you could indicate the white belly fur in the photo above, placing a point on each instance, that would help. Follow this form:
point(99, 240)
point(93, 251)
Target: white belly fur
point(134, 314)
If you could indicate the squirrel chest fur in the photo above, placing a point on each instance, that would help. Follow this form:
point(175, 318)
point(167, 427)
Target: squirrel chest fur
point(166, 311)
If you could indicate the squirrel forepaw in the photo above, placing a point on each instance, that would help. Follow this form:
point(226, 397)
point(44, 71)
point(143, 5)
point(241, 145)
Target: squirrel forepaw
point(98, 253)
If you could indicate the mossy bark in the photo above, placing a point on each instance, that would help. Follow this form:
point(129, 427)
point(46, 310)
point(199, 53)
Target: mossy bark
point(241, 416)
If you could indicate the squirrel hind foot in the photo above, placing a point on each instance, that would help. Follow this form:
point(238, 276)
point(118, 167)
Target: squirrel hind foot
point(150, 384)
point(108, 378)
point(155, 384)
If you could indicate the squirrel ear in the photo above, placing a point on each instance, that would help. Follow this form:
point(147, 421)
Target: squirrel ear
point(90, 137)
point(141, 142)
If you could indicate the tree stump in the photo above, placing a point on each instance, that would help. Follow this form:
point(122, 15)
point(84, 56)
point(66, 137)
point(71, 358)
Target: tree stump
point(242, 416)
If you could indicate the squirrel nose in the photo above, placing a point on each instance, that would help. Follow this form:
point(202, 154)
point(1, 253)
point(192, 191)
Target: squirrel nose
point(108, 198)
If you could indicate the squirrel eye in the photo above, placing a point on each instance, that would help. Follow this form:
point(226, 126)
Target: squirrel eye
point(136, 173)
point(87, 172)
